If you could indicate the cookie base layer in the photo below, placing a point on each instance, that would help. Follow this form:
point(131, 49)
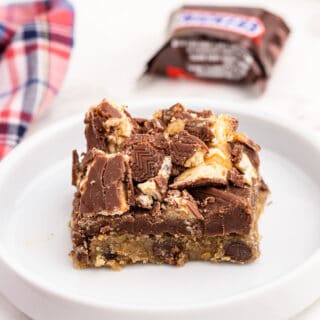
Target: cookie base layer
point(115, 250)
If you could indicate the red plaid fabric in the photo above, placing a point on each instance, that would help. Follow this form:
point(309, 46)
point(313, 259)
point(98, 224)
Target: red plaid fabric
point(35, 45)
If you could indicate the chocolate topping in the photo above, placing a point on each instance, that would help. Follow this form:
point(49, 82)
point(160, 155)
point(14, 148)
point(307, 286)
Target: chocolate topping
point(225, 211)
point(95, 137)
point(104, 190)
point(161, 184)
point(108, 111)
point(243, 139)
point(75, 168)
point(156, 140)
point(263, 186)
point(129, 185)
point(238, 149)
point(183, 146)
point(155, 182)
point(154, 125)
point(201, 114)
point(88, 157)
point(145, 161)
point(180, 204)
point(200, 129)
point(177, 111)
point(236, 178)
point(176, 170)
point(149, 126)
point(226, 196)
point(108, 126)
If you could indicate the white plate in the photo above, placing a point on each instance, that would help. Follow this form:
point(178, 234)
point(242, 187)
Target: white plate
point(37, 276)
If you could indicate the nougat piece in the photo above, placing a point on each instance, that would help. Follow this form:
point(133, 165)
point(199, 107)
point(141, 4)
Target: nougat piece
point(187, 150)
point(107, 126)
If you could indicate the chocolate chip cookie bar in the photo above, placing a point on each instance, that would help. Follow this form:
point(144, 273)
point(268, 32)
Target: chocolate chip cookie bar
point(182, 186)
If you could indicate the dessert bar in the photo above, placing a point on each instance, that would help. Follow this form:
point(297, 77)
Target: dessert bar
point(183, 185)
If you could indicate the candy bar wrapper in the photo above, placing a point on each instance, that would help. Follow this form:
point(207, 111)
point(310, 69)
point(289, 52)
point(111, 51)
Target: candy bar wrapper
point(218, 43)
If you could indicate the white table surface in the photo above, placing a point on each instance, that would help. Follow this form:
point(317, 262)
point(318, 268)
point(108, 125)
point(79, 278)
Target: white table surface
point(114, 38)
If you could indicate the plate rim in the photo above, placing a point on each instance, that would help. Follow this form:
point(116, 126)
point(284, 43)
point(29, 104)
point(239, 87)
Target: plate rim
point(278, 283)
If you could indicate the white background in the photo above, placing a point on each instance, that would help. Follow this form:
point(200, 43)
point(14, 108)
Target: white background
point(115, 38)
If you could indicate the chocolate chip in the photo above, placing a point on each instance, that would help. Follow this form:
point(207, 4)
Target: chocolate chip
point(109, 255)
point(77, 237)
point(238, 251)
point(81, 255)
point(167, 251)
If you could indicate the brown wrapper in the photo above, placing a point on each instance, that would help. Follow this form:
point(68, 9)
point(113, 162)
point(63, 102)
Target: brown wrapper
point(220, 43)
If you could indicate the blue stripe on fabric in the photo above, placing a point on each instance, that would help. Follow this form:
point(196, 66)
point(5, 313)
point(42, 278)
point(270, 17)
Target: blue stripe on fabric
point(43, 34)
point(2, 30)
point(13, 130)
point(30, 95)
point(68, 5)
point(27, 84)
point(5, 32)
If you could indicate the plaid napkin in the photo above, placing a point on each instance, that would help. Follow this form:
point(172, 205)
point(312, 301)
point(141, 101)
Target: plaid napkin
point(35, 44)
